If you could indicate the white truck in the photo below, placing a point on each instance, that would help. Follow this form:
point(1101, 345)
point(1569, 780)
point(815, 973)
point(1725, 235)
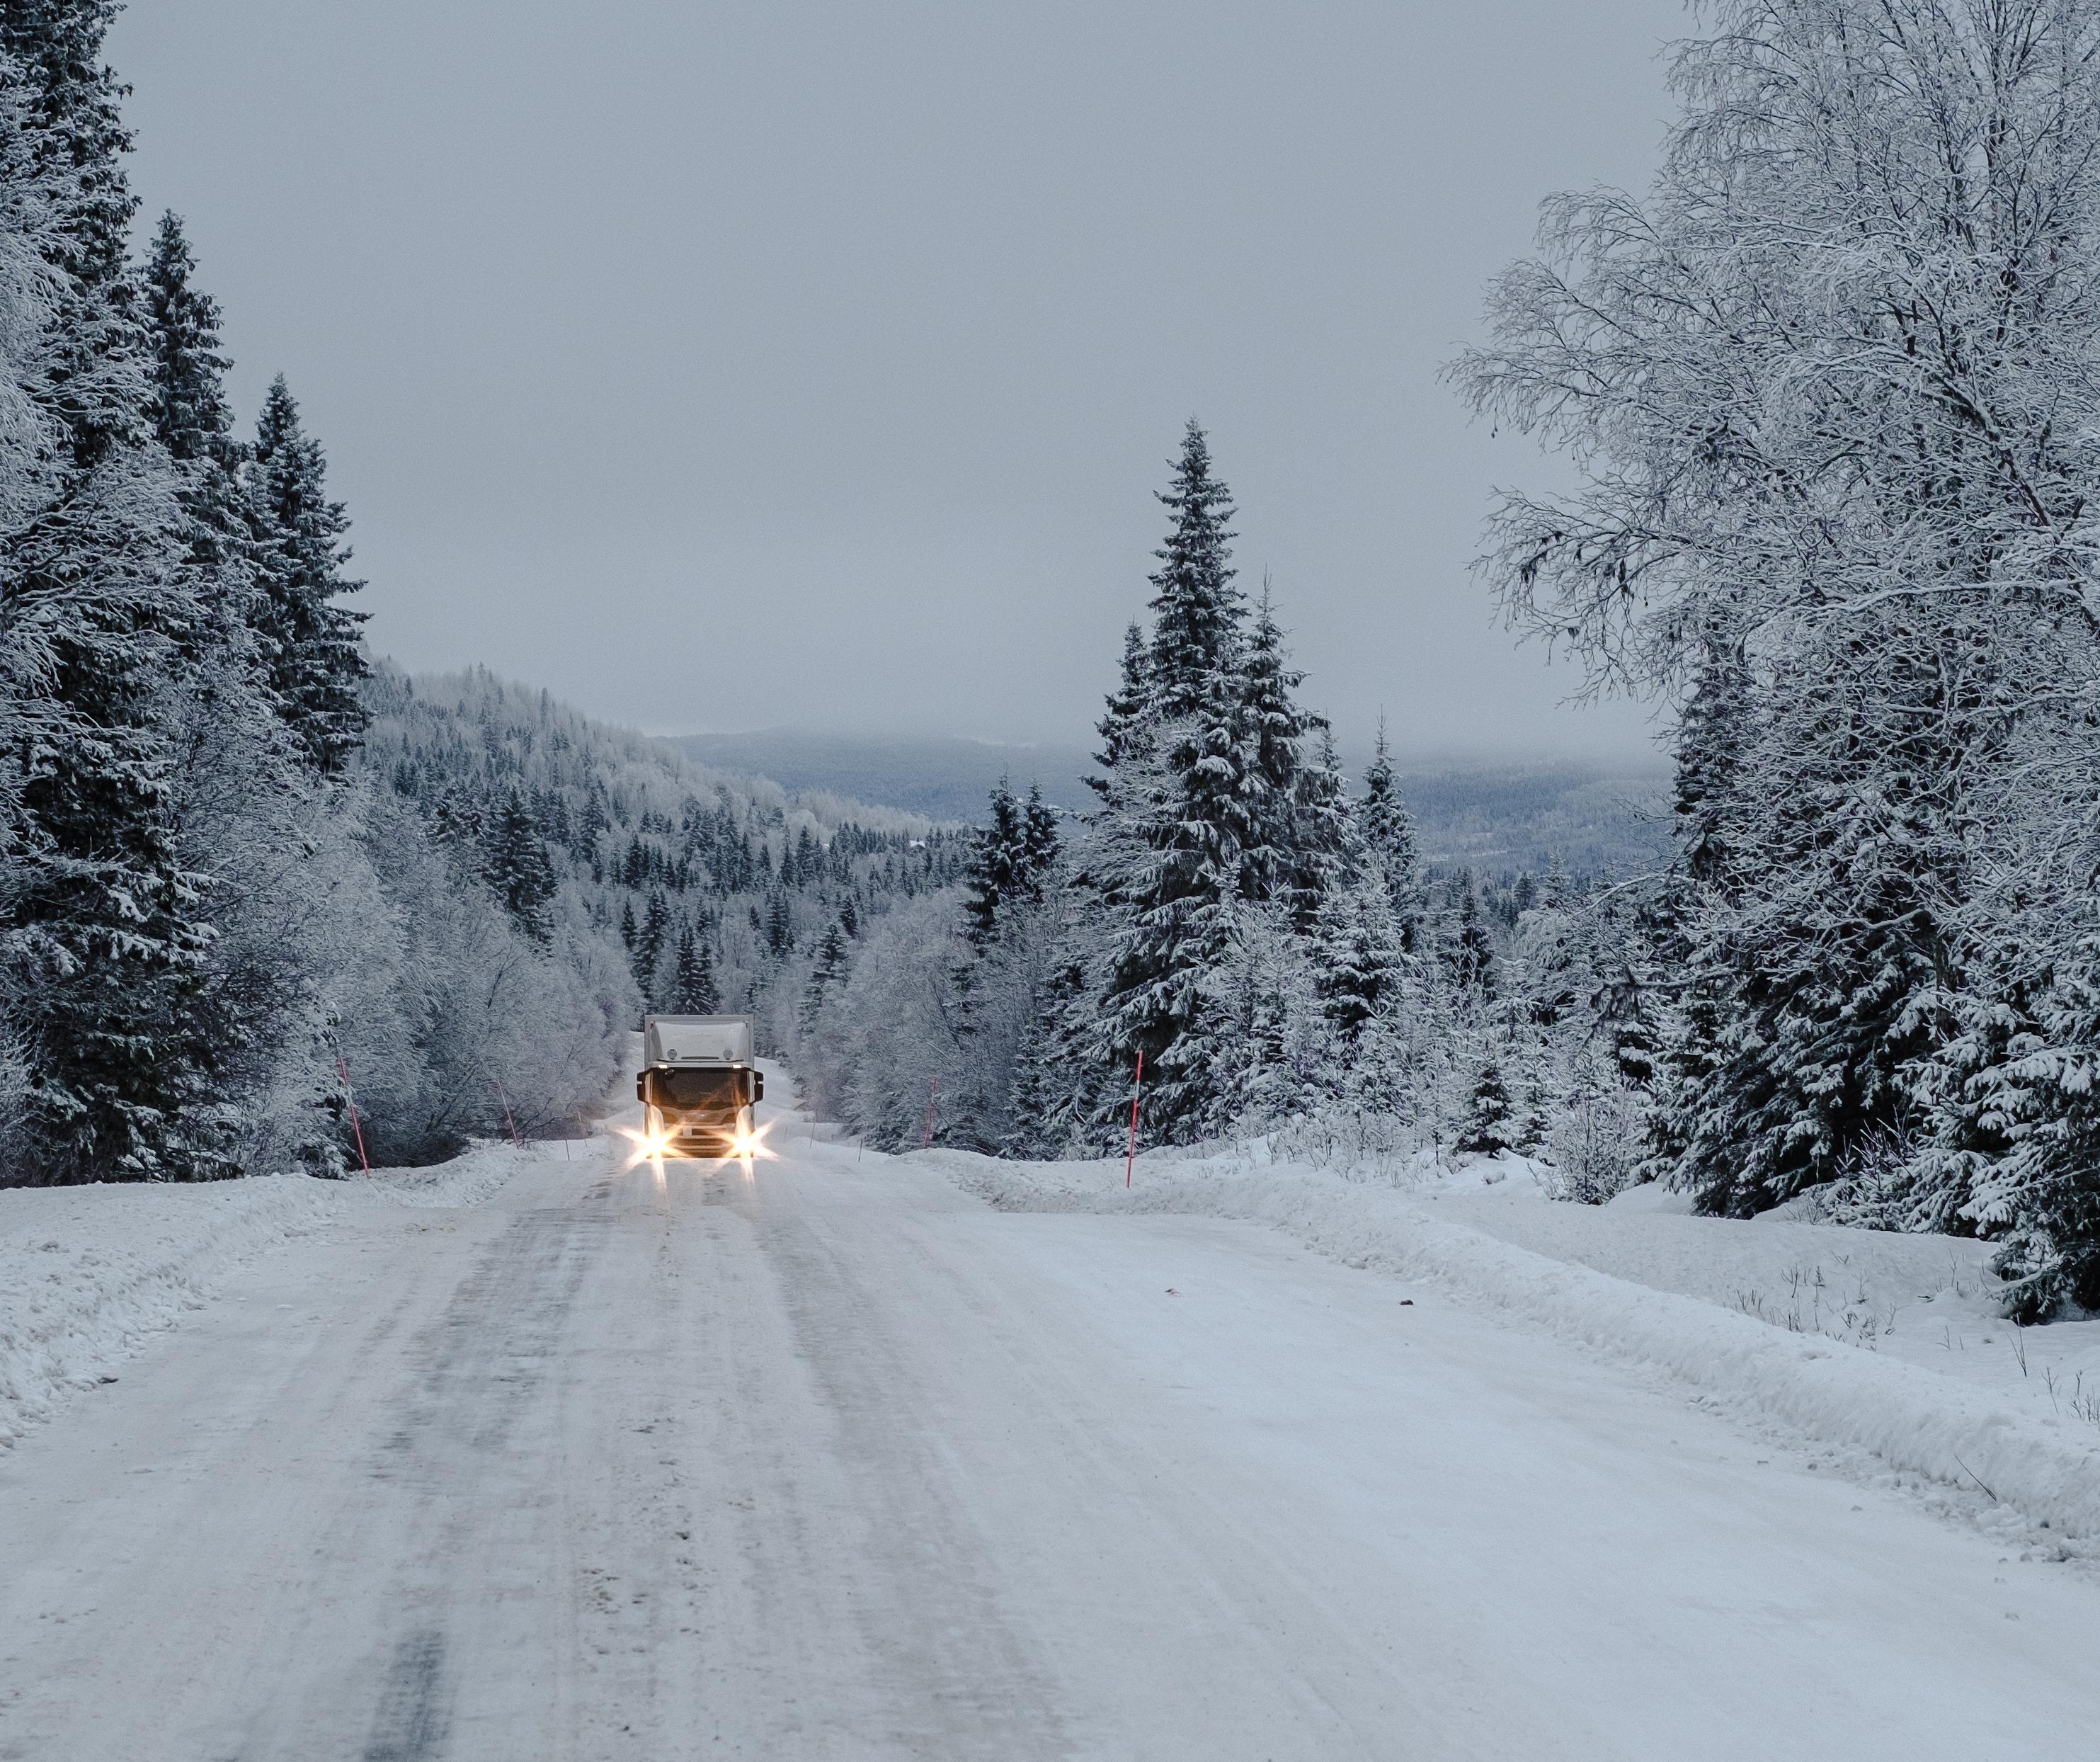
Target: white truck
point(698, 1085)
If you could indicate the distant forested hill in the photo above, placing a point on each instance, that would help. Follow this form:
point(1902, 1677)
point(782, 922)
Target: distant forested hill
point(943, 778)
point(1490, 815)
point(1505, 816)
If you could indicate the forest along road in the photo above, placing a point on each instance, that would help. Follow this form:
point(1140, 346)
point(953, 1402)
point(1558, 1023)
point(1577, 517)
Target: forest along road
point(833, 1461)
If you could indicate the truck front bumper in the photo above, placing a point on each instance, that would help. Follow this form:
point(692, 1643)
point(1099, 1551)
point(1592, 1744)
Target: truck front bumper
point(707, 1141)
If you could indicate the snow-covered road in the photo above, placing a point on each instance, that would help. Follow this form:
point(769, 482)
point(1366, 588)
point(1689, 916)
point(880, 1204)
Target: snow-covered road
point(837, 1462)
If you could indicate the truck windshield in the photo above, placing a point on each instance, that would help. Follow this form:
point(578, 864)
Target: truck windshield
point(700, 1088)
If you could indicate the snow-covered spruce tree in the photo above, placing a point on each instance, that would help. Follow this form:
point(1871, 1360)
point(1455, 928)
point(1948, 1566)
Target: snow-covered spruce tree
point(1298, 827)
point(1829, 945)
point(1832, 390)
point(649, 945)
point(518, 870)
point(1165, 893)
point(187, 404)
point(1470, 946)
point(102, 943)
point(1171, 837)
point(311, 645)
point(225, 719)
point(1129, 705)
point(1010, 858)
point(694, 991)
point(1207, 806)
point(1362, 968)
point(827, 973)
point(780, 925)
point(2023, 1105)
point(1387, 830)
point(1489, 1126)
point(995, 865)
point(30, 465)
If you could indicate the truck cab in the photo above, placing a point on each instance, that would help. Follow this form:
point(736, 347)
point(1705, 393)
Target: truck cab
point(700, 1084)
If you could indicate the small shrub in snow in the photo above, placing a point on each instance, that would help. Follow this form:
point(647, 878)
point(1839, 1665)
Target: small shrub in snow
point(1595, 1145)
point(1358, 1142)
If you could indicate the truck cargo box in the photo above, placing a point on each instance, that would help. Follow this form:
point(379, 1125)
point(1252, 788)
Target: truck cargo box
point(696, 1041)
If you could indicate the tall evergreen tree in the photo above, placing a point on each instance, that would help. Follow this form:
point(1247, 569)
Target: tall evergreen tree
point(1298, 826)
point(779, 924)
point(230, 718)
point(650, 944)
point(1388, 831)
point(1197, 610)
point(519, 871)
point(1008, 862)
point(1177, 824)
point(72, 142)
point(829, 970)
point(104, 938)
point(1210, 811)
point(309, 644)
point(990, 876)
point(187, 372)
point(1129, 707)
point(695, 992)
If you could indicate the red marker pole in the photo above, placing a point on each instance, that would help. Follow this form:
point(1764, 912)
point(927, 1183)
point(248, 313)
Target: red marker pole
point(364, 1162)
point(1130, 1162)
point(507, 1120)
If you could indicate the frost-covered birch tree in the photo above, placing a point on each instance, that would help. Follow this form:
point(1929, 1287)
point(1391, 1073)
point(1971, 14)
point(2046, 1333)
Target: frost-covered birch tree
point(1831, 389)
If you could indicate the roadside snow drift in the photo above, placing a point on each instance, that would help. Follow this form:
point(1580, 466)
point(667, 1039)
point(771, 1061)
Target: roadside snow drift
point(2044, 1464)
point(87, 1273)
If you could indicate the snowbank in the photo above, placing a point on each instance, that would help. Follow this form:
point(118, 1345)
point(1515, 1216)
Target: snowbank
point(1929, 1300)
point(87, 1273)
point(2045, 1464)
point(468, 1179)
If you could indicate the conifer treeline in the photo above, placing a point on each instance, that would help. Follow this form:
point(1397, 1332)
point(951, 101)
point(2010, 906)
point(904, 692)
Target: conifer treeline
point(170, 637)
point(1831, 388)
point(1276, 951)
point(211, 924)
point(1769, 1017)
point(245, 879)
point(719, 892)
point(1832, 385)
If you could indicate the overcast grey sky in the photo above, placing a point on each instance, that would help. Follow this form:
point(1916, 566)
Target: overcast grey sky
point(812, 364)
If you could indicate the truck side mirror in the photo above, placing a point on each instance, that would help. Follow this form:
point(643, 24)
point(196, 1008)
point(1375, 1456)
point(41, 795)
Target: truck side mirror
point(641, 1085)
point(758, 1085)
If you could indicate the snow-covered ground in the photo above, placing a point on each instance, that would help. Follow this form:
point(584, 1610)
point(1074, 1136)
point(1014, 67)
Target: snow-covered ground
point(531, 1457)
point(89, 1274)
point(1861, 1340)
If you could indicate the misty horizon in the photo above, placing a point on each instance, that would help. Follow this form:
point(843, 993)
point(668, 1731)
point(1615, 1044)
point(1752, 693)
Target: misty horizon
point(853, 352)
